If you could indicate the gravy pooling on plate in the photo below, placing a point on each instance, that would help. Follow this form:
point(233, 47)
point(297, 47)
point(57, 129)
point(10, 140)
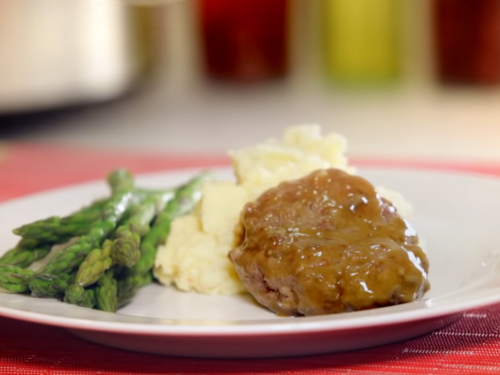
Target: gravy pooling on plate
point(328, 243)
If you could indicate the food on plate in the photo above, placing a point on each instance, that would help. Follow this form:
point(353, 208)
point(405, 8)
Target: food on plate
point(296, 228)
point(328, 243)
point(101, 255)
point(194, 257)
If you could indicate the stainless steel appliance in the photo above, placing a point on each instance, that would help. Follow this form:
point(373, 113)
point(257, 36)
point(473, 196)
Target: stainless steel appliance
point(59, 52)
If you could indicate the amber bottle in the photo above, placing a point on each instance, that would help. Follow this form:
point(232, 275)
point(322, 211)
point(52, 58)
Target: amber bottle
point(244, 40)
point(467, 41)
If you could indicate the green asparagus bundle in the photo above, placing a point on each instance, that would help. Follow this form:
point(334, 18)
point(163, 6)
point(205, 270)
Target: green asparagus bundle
point(67, 260)
point(113, 246)
point(138, 275)
point(123, 250)
point(39, 237)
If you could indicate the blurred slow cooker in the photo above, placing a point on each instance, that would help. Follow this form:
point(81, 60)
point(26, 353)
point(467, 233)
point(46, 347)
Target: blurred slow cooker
point(55, 53)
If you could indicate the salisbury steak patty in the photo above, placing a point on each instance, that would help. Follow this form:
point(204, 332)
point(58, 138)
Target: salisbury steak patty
point(327, 243)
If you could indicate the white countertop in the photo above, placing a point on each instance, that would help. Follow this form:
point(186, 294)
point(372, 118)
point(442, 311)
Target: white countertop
point(417, 123)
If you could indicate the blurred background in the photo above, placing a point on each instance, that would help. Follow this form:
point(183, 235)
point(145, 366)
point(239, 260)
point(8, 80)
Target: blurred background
point(415, 79)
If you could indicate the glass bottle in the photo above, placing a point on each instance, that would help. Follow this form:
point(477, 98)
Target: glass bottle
point(244, 40)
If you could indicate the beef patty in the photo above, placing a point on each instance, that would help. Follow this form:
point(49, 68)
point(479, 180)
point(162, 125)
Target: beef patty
point(328, 243)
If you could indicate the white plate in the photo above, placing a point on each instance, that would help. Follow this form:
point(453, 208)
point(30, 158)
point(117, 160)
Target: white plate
point(456, 214)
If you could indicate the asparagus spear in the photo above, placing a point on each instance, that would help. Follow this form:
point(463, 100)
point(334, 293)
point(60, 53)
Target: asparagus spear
point(88, 213)
point(26, 252)
point(107, 292)
point(19, 257)
point(125, 250)
point(57, 229)
point(184, 201)
point(71, 257)
point(50, 285)
point(14, 279)
point(94, 265)
point(128, 287)
point(78, 295)
point(120, 179)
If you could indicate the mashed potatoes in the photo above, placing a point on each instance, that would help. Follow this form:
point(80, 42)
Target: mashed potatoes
point(195, 255)
point(302, 151)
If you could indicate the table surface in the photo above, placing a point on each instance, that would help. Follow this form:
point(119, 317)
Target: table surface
point(424, 123)
point(470, 345)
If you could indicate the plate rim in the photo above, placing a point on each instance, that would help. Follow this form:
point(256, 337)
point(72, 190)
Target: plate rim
point(322, 323)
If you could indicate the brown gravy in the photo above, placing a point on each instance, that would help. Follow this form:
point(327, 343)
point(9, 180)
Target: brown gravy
point(328, 243)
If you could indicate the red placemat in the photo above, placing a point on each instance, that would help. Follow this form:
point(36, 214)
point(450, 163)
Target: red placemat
point(471, 345)
point(27, 168)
